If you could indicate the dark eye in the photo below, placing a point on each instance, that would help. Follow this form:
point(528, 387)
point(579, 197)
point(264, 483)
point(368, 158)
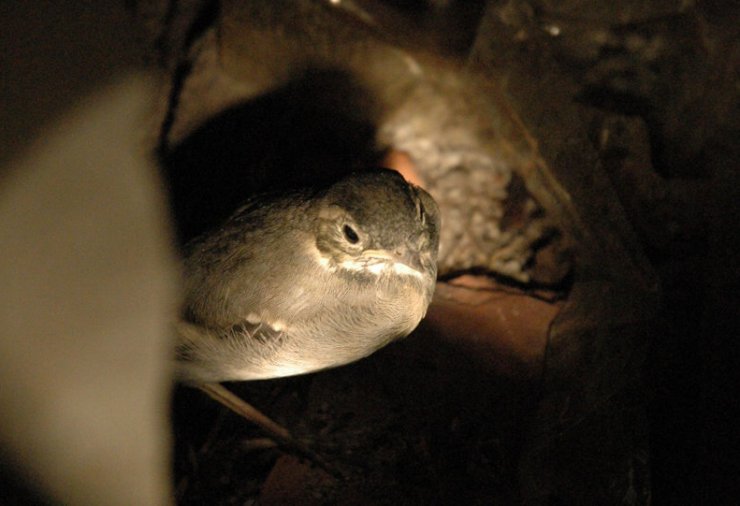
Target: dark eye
point(350, 234)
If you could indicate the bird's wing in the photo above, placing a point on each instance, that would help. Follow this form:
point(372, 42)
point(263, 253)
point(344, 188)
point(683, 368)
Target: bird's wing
point(241, 352)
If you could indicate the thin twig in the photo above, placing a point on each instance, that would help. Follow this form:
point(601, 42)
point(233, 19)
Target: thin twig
point(280, 434)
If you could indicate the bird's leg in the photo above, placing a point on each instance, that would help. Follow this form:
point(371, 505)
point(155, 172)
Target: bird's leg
point(280, 434)
point(219, 393)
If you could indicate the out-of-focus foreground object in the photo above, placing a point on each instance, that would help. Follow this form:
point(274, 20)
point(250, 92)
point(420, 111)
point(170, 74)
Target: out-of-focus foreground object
point(87, 267)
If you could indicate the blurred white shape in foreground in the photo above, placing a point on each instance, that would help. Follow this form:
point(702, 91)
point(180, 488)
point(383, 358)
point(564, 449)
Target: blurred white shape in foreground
point(88, 291)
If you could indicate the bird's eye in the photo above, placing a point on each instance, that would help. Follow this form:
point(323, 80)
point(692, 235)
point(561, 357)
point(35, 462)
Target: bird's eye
point(350, 234)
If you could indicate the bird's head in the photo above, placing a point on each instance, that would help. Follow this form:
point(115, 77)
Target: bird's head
point(375, 223)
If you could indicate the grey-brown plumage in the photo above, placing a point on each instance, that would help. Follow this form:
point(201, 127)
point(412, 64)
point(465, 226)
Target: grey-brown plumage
point(307, 280)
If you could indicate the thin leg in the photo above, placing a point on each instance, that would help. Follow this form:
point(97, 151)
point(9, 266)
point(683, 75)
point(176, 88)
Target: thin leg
point(281, 435)
point(219, 393)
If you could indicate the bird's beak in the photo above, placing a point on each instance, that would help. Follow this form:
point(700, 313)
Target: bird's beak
point(408, 261)
point(411, 258)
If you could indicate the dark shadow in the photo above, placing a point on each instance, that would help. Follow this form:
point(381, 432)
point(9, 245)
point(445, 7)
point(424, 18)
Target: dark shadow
point(312, 130)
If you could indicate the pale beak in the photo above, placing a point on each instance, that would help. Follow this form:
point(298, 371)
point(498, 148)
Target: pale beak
point(407, 260)
point(411, 258)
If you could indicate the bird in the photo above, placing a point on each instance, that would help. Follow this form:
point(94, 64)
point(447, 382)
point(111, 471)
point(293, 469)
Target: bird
point(306, 279)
